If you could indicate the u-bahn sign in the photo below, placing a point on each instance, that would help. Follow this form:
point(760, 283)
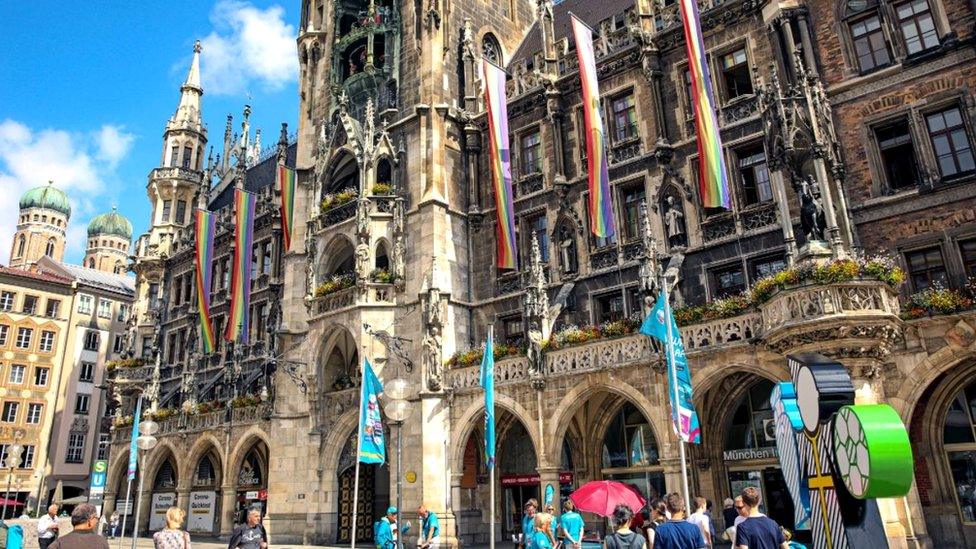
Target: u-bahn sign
point(96, 488)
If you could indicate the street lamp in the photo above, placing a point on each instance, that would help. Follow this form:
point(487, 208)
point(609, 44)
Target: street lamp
point(397, 408)
point(14, 452)
point(145, 442)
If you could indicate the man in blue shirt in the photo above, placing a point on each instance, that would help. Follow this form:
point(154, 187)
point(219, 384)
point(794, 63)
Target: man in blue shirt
point(678, 533)
point(572, 525)
point(757, 531)
point(384, 530)
point(430, 529)
point(528, 523)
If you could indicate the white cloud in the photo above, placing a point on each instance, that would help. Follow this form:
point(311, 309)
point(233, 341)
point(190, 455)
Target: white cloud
point(113, 143)
point(79, 164)
point(248, 47)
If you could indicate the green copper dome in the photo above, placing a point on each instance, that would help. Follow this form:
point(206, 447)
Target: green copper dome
point(47, 196)
point(112, 223)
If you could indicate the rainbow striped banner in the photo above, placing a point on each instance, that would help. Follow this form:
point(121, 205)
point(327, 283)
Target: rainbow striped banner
point(713, 182)
point(601, 202)
point(287, 182)
point(500, 156)
point(240, 284)
point(205, 230)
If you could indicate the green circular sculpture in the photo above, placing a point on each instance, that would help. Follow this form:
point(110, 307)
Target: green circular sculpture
point(872, 452)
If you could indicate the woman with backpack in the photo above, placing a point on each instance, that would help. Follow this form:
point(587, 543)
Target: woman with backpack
point(623, 537)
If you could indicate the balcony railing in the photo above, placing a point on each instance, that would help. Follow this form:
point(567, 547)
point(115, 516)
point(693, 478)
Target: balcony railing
point(337, 214)
point(334, 301)
point(202, 421)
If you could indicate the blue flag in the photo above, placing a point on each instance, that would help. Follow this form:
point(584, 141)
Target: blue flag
point(133, 449)
point(371, 447)
point(683, 414)
point(488, 382)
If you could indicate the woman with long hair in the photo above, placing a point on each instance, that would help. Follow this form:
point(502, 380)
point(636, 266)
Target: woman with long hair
point(173, 536)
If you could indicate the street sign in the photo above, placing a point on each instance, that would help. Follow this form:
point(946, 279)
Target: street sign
point(96, 487)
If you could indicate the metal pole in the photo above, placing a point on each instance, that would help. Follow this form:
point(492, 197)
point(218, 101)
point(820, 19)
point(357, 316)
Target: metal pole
point(135, 524)
point(674, 387)
point(400, 488)
point(128, 492)
point(491, 514)
point(359, 447)
point(10, 477)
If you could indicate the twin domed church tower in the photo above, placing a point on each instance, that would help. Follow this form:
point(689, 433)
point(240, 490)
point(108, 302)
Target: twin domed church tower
point(43, 224)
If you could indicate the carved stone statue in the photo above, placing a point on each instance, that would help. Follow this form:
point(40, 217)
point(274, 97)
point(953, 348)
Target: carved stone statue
point(567, 249)
point(812, 217)
point(309, 263)
point(534, 350)
point(362, 260)
point(399, 216)
point(432, 358)
point(399, 260)
point(674, 222)
point(362, 217)
point(433, 308)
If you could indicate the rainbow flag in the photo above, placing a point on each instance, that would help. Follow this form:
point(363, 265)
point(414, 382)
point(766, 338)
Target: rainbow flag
point(601, 203)
point(713, 182)
point(287, 181)
point(240, 283)
point(205, 230)
point(500, 156)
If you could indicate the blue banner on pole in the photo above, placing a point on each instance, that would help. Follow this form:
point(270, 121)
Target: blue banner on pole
point(661, 326)
point(133, 449)
point(371, 444)
point(488, 383)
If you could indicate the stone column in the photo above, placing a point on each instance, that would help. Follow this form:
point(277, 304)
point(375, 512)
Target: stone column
point(145, 500)
point(785, 218)
point(228, 502)
point(652, 69)
point(808, 54)
point(435, 479)
point(548, 474)
point(183, 498)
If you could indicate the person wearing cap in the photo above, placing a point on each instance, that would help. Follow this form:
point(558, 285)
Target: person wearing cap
point(385, 537)
point(430, 529)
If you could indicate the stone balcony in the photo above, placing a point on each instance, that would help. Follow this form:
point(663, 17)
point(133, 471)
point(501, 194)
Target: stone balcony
point(371, 293)
point(854, 319)
point(194, 423)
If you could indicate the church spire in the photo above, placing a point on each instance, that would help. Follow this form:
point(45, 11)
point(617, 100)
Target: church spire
point(188, 114)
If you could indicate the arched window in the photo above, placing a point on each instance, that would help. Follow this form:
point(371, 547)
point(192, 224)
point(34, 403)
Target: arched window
point(491, 49)
point(630, 452)
point(752, 425)
point(21, 244)
point(49, 248)
point(91, 262)
point(118, 268)
point(165, 477)
point(959, 437)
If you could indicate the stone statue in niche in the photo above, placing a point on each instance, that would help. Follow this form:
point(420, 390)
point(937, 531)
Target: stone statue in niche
point(399, 261)
point(362, 261)
point(567, 249)
point(534, 350)
point(432, 358)
point(812, 217)
point(362, 217)
point(674, 222)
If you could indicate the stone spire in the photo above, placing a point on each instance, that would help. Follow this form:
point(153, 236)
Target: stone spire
point(188, 114)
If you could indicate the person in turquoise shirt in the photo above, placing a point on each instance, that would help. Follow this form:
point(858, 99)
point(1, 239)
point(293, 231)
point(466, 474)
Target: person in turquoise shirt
point(384, 530)
point(528, 524)
point(543, 538)
point(555, 519)
point(430, 529)
point(572, 524)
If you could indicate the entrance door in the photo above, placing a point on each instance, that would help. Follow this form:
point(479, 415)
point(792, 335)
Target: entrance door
point(513, 499)
point(365, 516)
point(779, 503)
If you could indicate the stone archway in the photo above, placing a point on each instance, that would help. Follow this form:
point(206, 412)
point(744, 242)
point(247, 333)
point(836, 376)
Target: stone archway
point(247, 477)
point(202, 488)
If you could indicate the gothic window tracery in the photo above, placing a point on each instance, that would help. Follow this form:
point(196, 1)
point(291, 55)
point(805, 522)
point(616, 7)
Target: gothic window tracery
point(491, 49)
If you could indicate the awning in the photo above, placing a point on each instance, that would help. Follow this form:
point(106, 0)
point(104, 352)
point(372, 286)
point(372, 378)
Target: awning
point(10, 502)
point(77, 500)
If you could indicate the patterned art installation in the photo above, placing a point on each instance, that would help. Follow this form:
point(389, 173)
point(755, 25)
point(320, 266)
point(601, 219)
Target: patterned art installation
point(837, 456)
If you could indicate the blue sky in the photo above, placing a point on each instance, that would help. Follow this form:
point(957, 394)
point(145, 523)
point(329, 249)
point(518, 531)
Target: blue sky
point(87, 88)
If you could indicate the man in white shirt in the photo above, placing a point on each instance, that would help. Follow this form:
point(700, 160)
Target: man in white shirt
point(47, 527)
point(703, 521)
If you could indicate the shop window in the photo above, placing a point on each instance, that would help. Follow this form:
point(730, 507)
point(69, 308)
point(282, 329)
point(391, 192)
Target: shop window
point(926, 268)
point(870, 47)
point(917, 26)
point(897, 155)
point(959, 438)
point(629, 441)
point(531, 153)
point(950, 142)
point(735, 74)
point(632, 197)
point(608, 307)
point(624, 117)
point(728, 281)
point(754, 175)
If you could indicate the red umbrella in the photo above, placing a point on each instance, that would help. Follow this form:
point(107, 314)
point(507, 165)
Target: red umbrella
point(10, 502)
point(602, 496)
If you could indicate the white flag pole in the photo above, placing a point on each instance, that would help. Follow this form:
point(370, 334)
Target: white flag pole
point(673, 369)
point(359, 446)
point(491, 467)
point(128, 492)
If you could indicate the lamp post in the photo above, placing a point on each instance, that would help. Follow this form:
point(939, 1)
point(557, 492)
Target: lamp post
point(14, 452)
point(397, 408)
point(145, 442)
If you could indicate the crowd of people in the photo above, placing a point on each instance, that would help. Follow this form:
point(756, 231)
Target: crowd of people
point(668, 525)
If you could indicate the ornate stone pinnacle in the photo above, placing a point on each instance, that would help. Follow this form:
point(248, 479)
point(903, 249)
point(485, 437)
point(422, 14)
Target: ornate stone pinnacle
point(197, 48)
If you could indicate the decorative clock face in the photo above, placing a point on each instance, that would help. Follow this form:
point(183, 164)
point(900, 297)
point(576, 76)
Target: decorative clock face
point(808, 399)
